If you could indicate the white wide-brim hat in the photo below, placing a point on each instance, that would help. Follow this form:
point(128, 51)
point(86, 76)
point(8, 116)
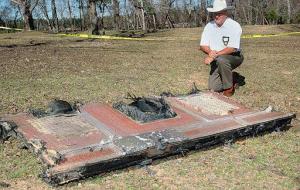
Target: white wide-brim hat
point(219, 5)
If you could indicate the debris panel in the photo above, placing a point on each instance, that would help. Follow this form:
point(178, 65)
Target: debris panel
point(100, 138)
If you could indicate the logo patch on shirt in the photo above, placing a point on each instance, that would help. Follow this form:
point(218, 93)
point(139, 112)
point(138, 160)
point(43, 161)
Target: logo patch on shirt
point(225, 40)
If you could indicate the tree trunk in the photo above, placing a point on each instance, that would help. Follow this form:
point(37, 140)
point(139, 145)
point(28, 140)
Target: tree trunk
point(54, 16)
point(277, 10)
point(137, 20)
point(93, 18)
point(45, 12)
point(70, 15)
point(245, 15)
point(116, 12)
point(250, 13)
point(26, 9)
point(189, 16)
point(102, 7)
point(63, 21)
point(15, 19)
point(288, 3)
point(81, 15)
point(142, 15)
point(2, 22)
point(163, 13)
point(165, 9)
point(126, 17)
point(234, 4)
point(134, 21)
point(202, 13)
point(170, 22)
point(154, 22)
point(27, 15)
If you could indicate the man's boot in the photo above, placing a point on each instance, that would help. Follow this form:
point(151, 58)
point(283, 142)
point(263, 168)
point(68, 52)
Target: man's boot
point(229, 92)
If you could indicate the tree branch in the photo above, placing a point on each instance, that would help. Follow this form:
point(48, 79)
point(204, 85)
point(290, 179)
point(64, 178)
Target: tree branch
point(16, 2)
point(35, 4)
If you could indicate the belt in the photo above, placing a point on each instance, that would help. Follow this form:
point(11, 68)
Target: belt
point(237, 53)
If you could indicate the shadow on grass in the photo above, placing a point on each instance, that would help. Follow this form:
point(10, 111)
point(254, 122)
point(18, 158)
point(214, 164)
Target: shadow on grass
point(31, 44)
point(159, 160)
point(85, 40)
point(109, 49)
point(238, 79)
point(294, 28)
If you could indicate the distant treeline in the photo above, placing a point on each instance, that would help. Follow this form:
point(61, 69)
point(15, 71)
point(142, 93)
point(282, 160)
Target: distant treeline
point(145, 15)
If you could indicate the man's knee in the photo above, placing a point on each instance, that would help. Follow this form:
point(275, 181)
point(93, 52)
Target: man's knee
point(215, 85)
point(216, 88)
point(222, 61)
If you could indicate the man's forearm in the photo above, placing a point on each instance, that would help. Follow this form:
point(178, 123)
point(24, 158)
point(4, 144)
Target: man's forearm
point(205, 49)
point(226, 51)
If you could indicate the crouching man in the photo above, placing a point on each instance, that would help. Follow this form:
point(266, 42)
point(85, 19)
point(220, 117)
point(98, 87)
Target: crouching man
point(221, 42)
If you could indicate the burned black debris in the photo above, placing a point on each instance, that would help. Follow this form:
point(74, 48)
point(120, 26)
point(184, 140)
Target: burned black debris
point(130, 34)
point(193, 90)
point(146, 109)
point(7, 130)
point(56, 107)
point(4, 185)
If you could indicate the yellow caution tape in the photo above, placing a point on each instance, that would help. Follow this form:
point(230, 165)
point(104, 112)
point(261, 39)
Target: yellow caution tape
point(106, 37)
point(249, 36)
point(268, 35)
point(7, 28)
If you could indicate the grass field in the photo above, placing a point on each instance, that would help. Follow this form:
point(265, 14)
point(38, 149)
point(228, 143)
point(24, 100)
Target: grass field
point(36, 68)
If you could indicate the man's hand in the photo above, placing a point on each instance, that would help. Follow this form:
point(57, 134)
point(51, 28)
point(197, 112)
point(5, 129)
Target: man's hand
point(213, 54)
point(208, 60)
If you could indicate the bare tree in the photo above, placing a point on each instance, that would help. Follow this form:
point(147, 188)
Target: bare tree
point(93, 18)
point(288, 4)
point(150, 14)
point(81, 14)
point(43, 7)
point(165, 6)
point(27, 6)
point(5, 16)
point(116, 12)
point(70, 14)
point(143, 14)
point(103, 7)
point(54, 16)
point(139, 14)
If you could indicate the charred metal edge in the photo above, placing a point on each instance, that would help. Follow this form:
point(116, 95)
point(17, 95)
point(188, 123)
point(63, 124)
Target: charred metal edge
point(7, 130)
point(136, 158)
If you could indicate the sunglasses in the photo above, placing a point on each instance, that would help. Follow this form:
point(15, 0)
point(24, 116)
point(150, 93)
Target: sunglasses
point(219, 13)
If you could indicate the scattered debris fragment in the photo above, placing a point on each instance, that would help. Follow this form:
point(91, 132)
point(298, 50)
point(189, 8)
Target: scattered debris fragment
point(194, 90)
point(56, 107)
point(4, 185)
point(130, 34)
point(146, 109)
point(7, 130)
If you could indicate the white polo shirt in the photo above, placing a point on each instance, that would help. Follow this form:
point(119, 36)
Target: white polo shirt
point(218, 38)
